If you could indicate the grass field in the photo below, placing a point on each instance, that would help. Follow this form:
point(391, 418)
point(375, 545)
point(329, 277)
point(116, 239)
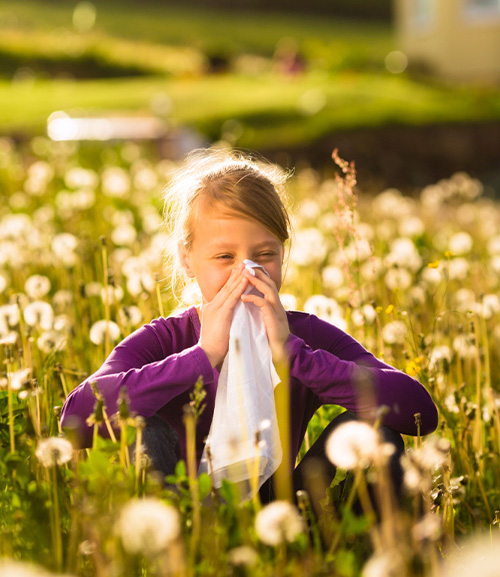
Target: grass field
point(166, 52)
point(413, 279)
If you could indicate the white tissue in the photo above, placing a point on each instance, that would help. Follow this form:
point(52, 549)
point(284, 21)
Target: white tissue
point(244, 405)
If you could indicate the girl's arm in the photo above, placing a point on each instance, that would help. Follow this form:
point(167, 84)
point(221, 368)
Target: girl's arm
point(142, 364)
point(340, 371)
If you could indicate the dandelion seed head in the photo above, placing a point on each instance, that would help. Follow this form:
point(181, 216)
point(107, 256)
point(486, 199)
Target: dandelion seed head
point(431, 276)
point(62, 300)
point(130, 315)
point(489, 306)
point(3, 282)
point(332, 276)
point(79, 177)
point(145, 179)
point(309, 247)
point(432, 453)
point(394, 333)
point(464, 299)
point(404, 254)
point(19, 378)
point(438, 355)
point(51, 341)
point(325, 308)
point(243, 556)
point(398, 278)
point(352, 445)
point(124, 235)
point(147, 526)
point(115, 182)
point(112, 294)
point(63, 247)
point(458, 268)
point(98, 332)
point(493, 245)
point(460, 243)
point(480, 555)
point(390, 563)
point(37, 286)
point(9, 316)
point(279, 522)
point(288, 301)
point(464, 346)
point(11, 568)
point(411, 226)
point(54, 451)
point(39, 314)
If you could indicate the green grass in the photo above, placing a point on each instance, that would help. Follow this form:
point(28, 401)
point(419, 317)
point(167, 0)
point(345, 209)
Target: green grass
point(202, 28)
point(164, 50)
point(269, 109)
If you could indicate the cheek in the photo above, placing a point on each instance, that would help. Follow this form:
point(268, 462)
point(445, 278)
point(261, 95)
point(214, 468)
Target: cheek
point(212, 281)
point(275, 274)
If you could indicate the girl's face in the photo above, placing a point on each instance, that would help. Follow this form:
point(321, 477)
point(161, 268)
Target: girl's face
point(222, 240)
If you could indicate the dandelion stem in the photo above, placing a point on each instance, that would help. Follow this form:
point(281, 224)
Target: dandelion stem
point(11, 413)
point(477, 439)
point(158, 298)
point(190, 424)
point(282, 398)
point(57, 520)
point(111, 433)
point(106, 295)
point(138, 457)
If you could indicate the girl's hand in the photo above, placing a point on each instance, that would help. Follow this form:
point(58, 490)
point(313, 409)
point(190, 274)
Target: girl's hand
point(274, 315)
point(216, 317)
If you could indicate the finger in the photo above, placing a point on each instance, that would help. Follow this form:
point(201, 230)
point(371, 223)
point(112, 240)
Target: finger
point(263, 284)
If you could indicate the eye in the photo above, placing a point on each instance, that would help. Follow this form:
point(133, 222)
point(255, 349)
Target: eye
point(266, 254)
point(224, 257)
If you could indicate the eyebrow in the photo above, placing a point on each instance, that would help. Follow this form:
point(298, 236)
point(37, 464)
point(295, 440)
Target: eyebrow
point(229, 244)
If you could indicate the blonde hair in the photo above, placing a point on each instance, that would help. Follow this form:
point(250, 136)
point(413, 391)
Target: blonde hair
point(238, 181)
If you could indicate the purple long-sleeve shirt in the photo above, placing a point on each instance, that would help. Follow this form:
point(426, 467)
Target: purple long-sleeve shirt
point(160, 363)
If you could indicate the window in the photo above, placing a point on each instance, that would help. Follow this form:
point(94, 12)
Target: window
point(423, 13)
point(480, 8)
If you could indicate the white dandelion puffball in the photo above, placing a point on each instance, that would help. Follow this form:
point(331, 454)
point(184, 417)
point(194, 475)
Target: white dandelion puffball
point(480, 555)
point(148, 526)
point(288, 301)
point(394, 333)
point(243, 556)
point(98, 332)
point(461, 243)
point(11, 568)
point(37, 286)
point(39, 314)
point(54, 451)
point(352, 445)
point(278, 522)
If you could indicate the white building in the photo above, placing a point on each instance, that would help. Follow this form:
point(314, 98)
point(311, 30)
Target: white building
point(456, 39)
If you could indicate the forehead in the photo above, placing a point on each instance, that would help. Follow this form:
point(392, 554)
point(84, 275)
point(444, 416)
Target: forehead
point(219, 224)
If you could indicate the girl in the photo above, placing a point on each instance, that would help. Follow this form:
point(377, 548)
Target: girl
point(223, 209)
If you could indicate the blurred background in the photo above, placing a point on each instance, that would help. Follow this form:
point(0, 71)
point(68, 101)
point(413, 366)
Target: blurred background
point(408, 89)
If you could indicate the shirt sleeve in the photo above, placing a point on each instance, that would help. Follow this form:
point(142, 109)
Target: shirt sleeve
point(152, 374)
point(339, 370)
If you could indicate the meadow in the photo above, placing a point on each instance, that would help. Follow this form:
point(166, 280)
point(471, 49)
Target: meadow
point(83, 252)
point(413, 278)
point(202, 67)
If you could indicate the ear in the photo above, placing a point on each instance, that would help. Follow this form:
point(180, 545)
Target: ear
point(186, 261)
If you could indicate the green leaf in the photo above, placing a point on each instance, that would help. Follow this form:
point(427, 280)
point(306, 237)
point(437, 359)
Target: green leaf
point(204, 485)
